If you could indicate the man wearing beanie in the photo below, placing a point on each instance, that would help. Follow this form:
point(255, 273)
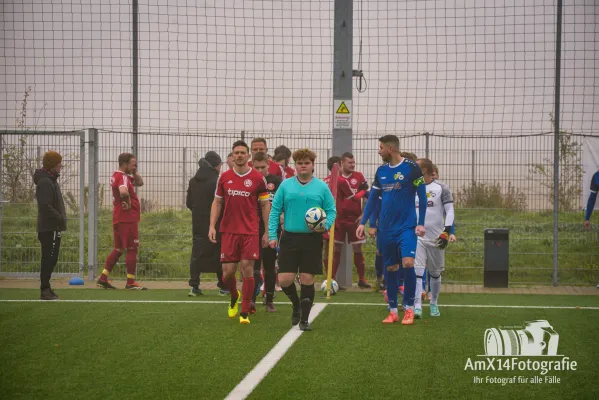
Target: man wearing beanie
point(205, 255)
point(51, 218)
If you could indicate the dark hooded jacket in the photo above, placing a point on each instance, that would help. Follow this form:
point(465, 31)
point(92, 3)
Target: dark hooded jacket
point(200, 195)
point(51, 214)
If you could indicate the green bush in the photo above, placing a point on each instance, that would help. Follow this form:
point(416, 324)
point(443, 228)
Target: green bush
point(483, 195)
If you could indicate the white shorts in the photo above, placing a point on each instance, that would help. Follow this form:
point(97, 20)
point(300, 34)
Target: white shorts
point(430, 257)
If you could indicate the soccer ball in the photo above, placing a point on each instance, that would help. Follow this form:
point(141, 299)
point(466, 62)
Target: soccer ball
point(334, 286)
point(316, 218)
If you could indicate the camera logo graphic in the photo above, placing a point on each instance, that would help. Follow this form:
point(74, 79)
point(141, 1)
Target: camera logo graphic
point(535, 338)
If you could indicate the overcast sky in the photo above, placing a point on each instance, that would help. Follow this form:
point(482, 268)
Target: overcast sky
point(448, 67)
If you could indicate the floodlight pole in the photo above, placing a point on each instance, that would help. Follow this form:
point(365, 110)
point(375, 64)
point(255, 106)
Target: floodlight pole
point(342, 94)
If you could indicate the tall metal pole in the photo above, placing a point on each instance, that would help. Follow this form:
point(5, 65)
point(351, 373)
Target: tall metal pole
point(1, 196)
point(427, 144)
point(135, 74)
point(92, 203)
point(82, 204)
point(342, 109)
point(556, 149)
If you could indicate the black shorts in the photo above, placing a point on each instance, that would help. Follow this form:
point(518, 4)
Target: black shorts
point(268, 257)
point(301, 252)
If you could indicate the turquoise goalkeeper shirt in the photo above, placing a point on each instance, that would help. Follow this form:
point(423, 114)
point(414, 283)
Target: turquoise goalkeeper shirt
point(293, 199)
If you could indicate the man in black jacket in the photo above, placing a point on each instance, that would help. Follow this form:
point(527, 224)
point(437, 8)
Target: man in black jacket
point(205, 255)
point(51, 218)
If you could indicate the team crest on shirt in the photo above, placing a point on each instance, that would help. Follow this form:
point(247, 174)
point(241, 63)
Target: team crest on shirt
point(248, 183)
point(270, 186)
point(398, 176)
point(354, 181)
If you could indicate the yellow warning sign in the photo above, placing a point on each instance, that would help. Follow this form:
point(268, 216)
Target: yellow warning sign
point(342, 109)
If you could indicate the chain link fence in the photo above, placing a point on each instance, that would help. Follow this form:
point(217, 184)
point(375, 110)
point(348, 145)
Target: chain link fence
point(469, 84)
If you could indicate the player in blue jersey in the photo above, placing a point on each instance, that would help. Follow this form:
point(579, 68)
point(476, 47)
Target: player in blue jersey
point(591, 201)
point(397, 183)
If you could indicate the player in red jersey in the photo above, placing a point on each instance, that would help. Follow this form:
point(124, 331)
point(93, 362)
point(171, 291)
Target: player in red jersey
point(125, 220)
point(282, 157)
point(258, 145)
point(239, 190)
point(344, 193)
point(349, 218)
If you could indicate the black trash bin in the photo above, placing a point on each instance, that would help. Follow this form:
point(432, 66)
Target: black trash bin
point(497, 257)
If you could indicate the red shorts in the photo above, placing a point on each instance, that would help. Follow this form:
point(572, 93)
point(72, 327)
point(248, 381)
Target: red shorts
point(125, 235)
point(235, 247)
point(343, 228)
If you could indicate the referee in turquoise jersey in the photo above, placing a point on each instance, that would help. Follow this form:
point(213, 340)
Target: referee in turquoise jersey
point(300, 249)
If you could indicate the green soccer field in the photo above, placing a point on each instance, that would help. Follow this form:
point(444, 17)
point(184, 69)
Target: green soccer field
point(161, 344)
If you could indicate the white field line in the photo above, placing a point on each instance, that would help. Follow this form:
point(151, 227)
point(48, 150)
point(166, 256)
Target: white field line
point(255, 376)
point(283, 302)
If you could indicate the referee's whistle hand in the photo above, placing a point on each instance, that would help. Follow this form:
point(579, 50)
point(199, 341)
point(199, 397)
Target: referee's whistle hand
point(273, 244)
point(360, 232)
point(212, 234)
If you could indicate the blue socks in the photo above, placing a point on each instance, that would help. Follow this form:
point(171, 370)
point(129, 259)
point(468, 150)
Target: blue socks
point(392, 288)
point(378, 266)
point(409, 286)
point(400, 276)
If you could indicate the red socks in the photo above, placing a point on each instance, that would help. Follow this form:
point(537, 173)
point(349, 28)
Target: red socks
point(360, 265)
point(247, 290)
point(336, 258)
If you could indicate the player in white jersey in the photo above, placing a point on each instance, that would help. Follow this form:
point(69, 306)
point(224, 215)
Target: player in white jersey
point(430, 251)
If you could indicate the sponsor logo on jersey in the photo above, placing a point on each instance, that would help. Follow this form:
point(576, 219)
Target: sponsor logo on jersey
point(430, 203)
point(270, 186)
point(248, 183)
point(397, 185)
point(398, 176)
point(242, 193)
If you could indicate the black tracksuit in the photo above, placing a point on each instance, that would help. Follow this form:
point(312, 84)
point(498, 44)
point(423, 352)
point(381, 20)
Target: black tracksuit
point(51, 221)
point(205, 255)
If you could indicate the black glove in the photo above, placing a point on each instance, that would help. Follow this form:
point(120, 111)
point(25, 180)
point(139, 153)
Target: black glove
point(363, 186)
point(442, 240)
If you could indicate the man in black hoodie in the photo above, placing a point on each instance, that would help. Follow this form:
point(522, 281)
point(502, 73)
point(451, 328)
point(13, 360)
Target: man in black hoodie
point(205, 255)
point(51, 218)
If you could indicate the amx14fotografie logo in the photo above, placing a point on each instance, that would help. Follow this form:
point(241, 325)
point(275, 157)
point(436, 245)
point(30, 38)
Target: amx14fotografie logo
point(529, 348)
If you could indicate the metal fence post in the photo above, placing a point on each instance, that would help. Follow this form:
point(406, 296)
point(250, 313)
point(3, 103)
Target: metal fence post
point(426, 144)
point(184, 185)
point(473, 166)
point(82, 204)
point(92, 196)
point(1, 195)
point(556, 149)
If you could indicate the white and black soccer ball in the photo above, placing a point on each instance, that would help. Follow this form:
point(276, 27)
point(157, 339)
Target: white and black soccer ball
point(334, 287)
point(316, 219)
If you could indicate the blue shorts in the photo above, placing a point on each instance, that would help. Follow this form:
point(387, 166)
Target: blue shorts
point(394, 245)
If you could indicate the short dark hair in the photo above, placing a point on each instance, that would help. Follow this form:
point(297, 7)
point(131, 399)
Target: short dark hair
point(280, 157)
point(282, 149)
point(426, 165)
point(408, 155)
point(391, 140)
point(240, 143)
point(332, 161)
point(125, 158)
point(259, 140)
point(347, 154)
point(260, 156)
